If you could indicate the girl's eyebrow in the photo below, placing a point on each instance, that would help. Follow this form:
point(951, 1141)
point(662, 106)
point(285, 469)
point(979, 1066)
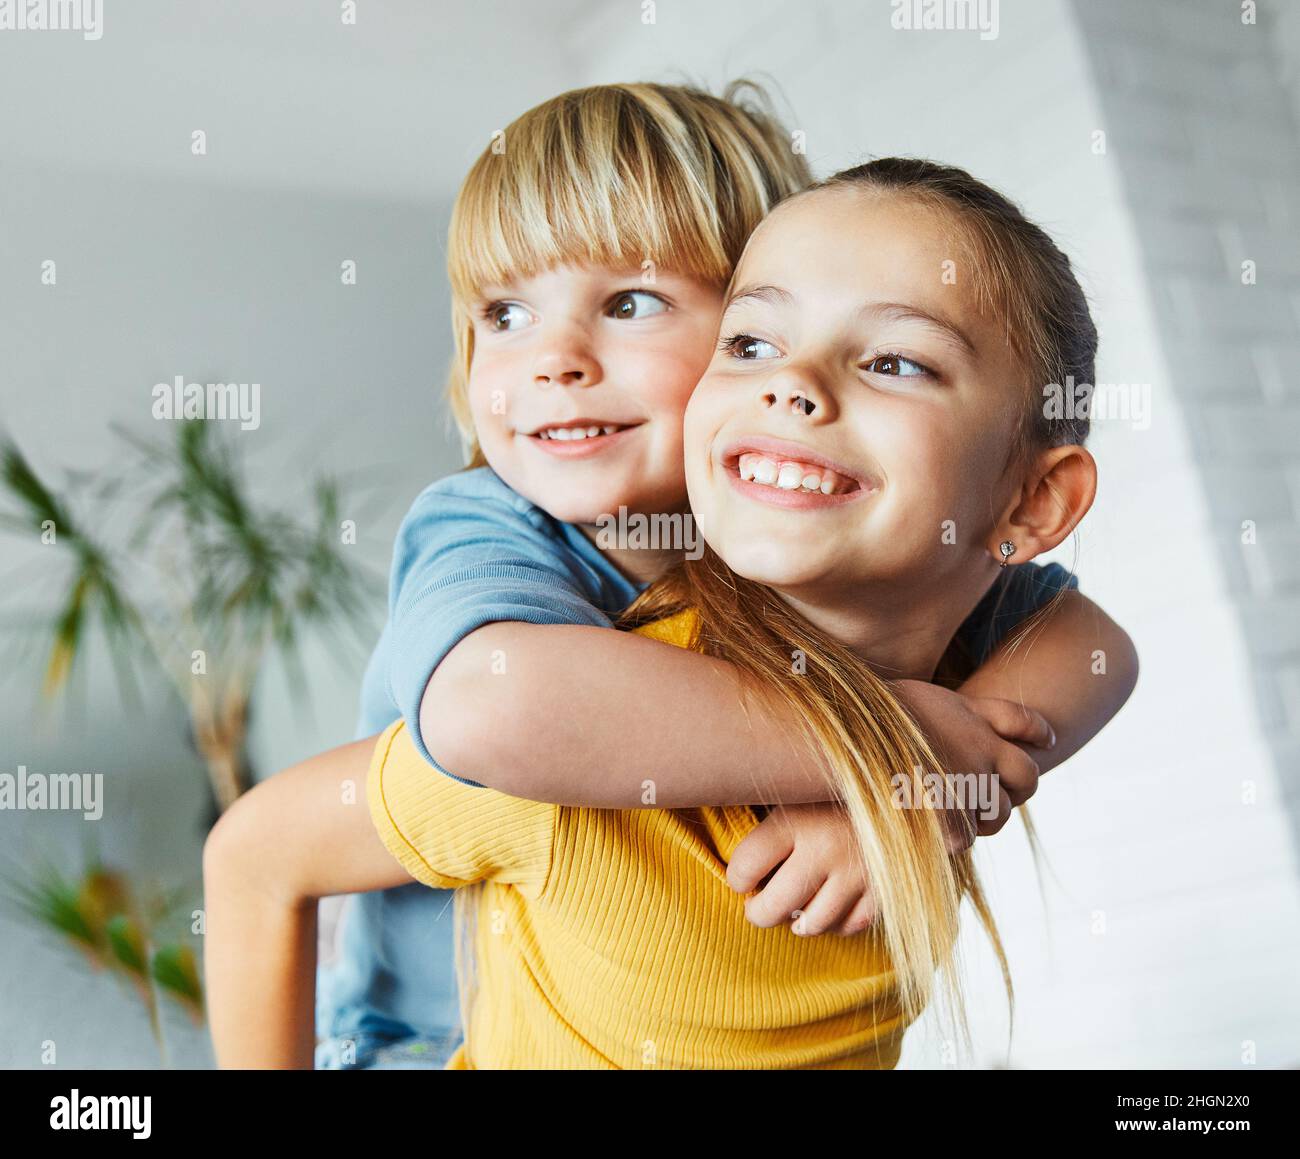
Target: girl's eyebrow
point(902, 312)
point(772, 294)
point(892, 311)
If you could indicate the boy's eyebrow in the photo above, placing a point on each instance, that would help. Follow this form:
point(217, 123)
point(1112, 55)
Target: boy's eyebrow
point(902, 312)
point(772, 294)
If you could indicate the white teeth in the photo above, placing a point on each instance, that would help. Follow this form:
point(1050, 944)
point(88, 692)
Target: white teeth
point(565, 434)
point(789, 475)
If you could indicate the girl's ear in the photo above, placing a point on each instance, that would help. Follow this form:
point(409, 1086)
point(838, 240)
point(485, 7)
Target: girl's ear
point(1057, 492)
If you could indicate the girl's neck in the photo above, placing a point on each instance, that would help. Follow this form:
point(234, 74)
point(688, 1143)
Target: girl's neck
point(902, 635)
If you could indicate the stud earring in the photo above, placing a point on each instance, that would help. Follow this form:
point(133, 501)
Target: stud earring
point(1007, 550)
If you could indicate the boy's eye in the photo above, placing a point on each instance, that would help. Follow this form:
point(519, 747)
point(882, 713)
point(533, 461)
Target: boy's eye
point(746, 346)
point(896, 365)
point(637, 304)
point(505, 315)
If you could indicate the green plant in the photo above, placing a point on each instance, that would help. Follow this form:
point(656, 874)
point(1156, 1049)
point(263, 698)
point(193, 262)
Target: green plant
point(171, 557)
point(115, 930)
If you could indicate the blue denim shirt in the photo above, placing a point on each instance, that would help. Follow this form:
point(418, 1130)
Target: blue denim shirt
point(472, 552)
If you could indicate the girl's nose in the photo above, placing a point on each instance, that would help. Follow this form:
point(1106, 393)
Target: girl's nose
point(802, 399)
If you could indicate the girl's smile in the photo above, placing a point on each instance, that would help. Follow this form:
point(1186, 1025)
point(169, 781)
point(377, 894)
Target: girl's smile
point(789, 474)
point(853, 384)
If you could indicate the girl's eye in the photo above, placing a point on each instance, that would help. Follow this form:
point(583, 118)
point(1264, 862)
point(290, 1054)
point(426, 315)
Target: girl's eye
point(505, 315)
point(896, 365)
point(746, 346)
point(637, 304)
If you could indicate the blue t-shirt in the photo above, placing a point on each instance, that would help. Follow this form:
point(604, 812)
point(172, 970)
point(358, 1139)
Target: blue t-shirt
point(472, 552)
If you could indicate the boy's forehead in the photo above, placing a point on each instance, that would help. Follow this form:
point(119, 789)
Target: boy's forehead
point(628, 275)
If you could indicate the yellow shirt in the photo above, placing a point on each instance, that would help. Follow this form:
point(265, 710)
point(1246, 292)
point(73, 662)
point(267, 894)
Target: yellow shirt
point(608, 938)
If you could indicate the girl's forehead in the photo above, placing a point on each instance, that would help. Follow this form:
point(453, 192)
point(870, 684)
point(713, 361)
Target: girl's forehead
point(850, 259)
point(834, 247)
point(846, 217)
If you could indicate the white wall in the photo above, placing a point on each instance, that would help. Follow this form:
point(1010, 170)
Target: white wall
point(1171, 921)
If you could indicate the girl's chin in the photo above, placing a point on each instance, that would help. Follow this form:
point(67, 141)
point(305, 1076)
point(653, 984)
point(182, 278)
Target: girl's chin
point(773, 565)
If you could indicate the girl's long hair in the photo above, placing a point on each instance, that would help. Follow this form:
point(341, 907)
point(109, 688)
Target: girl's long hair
point(880, 764)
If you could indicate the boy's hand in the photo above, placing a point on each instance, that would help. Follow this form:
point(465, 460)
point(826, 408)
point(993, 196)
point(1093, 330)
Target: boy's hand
point(973, 734)
point(821, 883)
point(817, 875)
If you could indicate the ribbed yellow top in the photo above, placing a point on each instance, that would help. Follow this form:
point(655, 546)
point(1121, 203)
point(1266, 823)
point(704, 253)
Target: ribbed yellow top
point(610, 938)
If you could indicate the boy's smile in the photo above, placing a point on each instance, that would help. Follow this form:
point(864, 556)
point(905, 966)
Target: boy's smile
point(580, 437)
point(579, 379)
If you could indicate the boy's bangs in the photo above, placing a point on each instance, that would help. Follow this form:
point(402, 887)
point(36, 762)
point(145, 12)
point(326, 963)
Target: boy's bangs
point(567, 193)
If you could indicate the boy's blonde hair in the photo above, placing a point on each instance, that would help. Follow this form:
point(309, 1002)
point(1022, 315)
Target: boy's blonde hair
point(615, 175)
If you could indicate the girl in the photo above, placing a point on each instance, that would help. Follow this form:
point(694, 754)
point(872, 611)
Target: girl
point(857, 402)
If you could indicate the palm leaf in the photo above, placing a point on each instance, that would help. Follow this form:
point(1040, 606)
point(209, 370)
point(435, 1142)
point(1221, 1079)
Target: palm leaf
point(126, 940)
point(55, 903)
point(93, 594)
point(175, 969)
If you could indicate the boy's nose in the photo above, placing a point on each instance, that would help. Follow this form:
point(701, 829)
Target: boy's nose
point(565, 368)
point(563, 377)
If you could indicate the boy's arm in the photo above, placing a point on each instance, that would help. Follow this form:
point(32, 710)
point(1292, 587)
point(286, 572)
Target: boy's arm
point(545, 712)
point(1077, 670)
point(302, 835)
point(613, 720)
point(579, 715)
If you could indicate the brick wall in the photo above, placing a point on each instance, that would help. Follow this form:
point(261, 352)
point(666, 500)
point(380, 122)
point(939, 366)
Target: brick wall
point(1200, 115)
point(1203, 113)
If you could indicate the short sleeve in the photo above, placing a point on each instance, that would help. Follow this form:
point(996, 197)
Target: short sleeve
point(1016, 595)
point(446, 834)
point(470, 552)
